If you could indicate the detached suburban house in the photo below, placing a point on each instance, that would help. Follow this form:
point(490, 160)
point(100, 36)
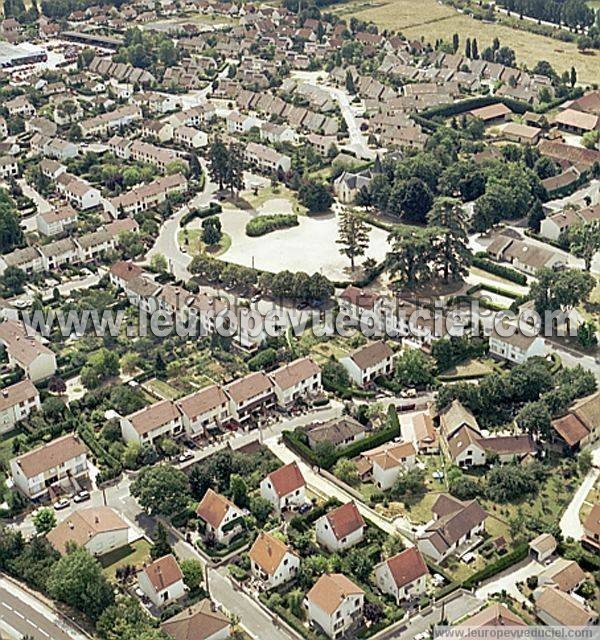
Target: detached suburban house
point(297, 380)
point(201, 621)
point(220, 517)
point(341, 528)
point(558, 609)
point(388, 460)
point(123, 272)
point(204, 409)
point(151, 424)
point(284, 488)
point(581, 426)
point(271, 561)
point(27, 351)
point(98, 529)
point(335, 605)
point(16, 403)
point(58, 464)
point(591, 528)
point(369, 362)
point(341, 432)
point(542, 547)
point(418, 428)
point(403, 576)
point(162, 581)
point(454, 530)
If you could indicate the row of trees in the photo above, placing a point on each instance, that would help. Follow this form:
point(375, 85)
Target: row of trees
point(573, 13)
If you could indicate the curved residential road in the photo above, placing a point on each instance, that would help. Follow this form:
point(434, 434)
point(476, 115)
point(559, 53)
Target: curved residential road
point(23, 614)
point(167, 243)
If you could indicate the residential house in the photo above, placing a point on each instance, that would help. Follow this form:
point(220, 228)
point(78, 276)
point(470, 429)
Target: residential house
point(297, 380)
point(26, 351)
point(51, 169)
point(341, 528)
point(341, 432)
point(591, 528)
point(219, 517)
point(510, 343)
point(99, 530)
point(59, 253)
point(558, 609)
point(147, 196)
point(158, 129)
point(28, 259)
point(494, 615)
point(521, 133)
point(79, 193)
point(190, 137)
point(556, 225)
point(122, 272)
point(162, 581)
point(335, 605)
point(60, 463)
point(284, 488)
point(9, 167)
point(153, 423)
point(272, 561)
point(575, 121)
point(417, 427)
point(101, 125)
point(17, 402)
point(266, 159)
point(564, 574)
point(204, 410)
point(369, 362)
point(238, 123)
point(277, 133)
point(403, 576)
point(201, 621)
point(348, 184)
point(94, 245)
point(56, 221)
point(143, 293)
point(492, 114)
point(581, 426)
point(388, 461)
point(454, 530)
point(20, 106)
point(250, 395)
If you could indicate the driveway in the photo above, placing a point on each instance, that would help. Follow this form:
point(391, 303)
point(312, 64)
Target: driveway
point(508, 581)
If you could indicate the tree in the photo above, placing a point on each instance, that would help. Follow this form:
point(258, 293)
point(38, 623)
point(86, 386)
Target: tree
point(315, 196)
point(159, 263)
point(211, 230)
point(218, 162)
point(412, 199)
point(585, 461)
point(346, 471)
point(161, 546)
point(535, 419)
point(44, 520)
point(350, 87)
point(563, 289)
point(193, 574)
point(410, 486)
point(234, 168)
point(509, 483)
point(455, 42)
point(411, 255)
point(100, 366)
point(261, 509)
point(163, 490)
point(573, 76)
point(353, 235)
point(586, 334)
point(584, 241)
point(535, 216)
point(238, 490)
point(325, 453)
point(12, 281)
point(414, 368)
point(126, 620)
point(77, 580)
point(11, 234)
point(453, 254)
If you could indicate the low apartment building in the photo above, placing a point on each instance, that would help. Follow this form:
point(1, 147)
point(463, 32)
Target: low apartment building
point(28, 260)
point(17, 402)
point(151, 424)
point(54, 465)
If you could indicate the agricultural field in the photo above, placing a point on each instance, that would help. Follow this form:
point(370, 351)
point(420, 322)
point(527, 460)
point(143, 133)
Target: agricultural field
point(428, 18)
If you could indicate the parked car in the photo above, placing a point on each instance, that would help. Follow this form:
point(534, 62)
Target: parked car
point(82, 496)
point(305, 508)
point(185, 456)
point(63, 503)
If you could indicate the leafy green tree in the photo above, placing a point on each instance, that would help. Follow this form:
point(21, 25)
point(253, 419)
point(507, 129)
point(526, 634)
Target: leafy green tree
point(77, 580)
point(315, 196)
point(410, 486)
point(161, 546)
point(193, 574)
point(126, 620)
point(586, 334)
point(12, 281)
point(535, 419)
point(325, 453)
point(353, 236)
point(584, 241)
point(218, 162)
point(261, 509)
point(411, 254)
point(414, 368)
point(565, 289)
point(346, 471)
point(453, 254)
point(234, 171)
point(238, 490)
point(509, 483)
point(211, 230)
point(44, 520)
point(159, 263)
point(163, 490)
point(100, 366)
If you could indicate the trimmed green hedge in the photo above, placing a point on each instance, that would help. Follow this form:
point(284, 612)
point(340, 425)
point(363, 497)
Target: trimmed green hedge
point(212, 209)
point(265, 224)
point(504, 562)
point(462, 106)
point(499, 270)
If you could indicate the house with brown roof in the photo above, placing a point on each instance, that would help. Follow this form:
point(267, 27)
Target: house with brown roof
point(122, 272)
point(97, 529)
point(554, 226)
point(17, 402)
point(296, 380)
point(162, 581)
point(251, 395)
point(341, 528)
point(575, 121)
point(341, 432)
point(581, 426)
point(335, 605)
point(272, 562)
point(26, 351)
point(284, 488)
point(417, 427)
point(492, 113)
point(455, 528)
point(369, 362)
point(495, 615)
point(57, 220)
point(28, 259)
point(388, 461)
point(201, 621)
point(565, 574)
point(559, 609)
point(403, 576)
point(204, 410)
point(153, 423)
point(510, 343)
point(219, 517)
point(61, 463)
point(591, 528)
point(542, 547)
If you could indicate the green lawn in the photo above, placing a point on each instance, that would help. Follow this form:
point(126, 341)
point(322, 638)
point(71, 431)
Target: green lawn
point(163, 389)
point(190, 241)
point(135, 554)
point(6, 445)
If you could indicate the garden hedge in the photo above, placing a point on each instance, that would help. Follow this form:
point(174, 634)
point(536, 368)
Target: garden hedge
point(262, 225)
point(499, 270)
point(504, 562)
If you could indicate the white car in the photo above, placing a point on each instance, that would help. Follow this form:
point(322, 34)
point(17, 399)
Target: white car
point(63, 503)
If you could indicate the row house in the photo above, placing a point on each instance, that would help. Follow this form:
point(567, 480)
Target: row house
point(51, 169)
point(143, 293)
point(56, 221)
point(369, 362)
point(195, 116)
point(57, 464)
point(266, 159)
point(101, 125)
point(239, 123)
point(20, 106)
point(9, 167)
point(190, 137)
point(204, 410)
point(157, 129)
point(253, 394)
point(59, 253)
point(78, 192)
point(146, 196)
point(27, 259)
point(17, 402)
point(277, 133)
point(144, 152)
point(94, 244)
point(323, 145)
point(296, 380)
point(26, 351)
point(155, 102)
point(153, 423)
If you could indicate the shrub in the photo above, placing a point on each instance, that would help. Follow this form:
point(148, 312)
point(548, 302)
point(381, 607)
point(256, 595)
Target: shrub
point(499, 270)
point(516, 555)
point(262, 360)
point(265, 224)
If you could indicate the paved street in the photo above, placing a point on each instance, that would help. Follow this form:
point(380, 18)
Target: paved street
point(21, 614)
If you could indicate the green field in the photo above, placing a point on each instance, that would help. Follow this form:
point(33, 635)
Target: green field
point(427, 18)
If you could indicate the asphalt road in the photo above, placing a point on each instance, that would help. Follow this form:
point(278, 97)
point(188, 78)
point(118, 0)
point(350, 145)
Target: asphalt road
point(21, 614)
